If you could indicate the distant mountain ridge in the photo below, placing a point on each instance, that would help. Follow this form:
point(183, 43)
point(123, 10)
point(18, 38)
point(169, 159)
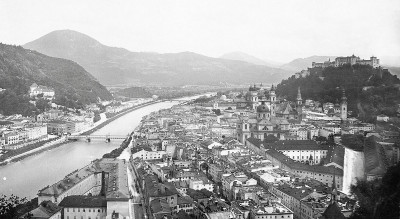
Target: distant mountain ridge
point(241, 56)
point(19, 68)
point(303, 63)
point(112, 65)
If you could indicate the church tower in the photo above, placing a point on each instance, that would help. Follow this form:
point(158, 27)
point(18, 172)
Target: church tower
point(343, 107)
point(272, 99)
point(299, 104)
point(299, 101)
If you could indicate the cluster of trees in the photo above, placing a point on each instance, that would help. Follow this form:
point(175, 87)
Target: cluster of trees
point(135, 92)
point(13, 206)
point(378, 198)
point(203, 99)
point(13, 103)
point(199, 194)
point(355, 142)
point(116, 152)
point(374, 90)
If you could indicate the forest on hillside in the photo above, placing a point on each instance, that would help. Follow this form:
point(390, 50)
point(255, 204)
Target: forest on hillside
point(20, 68)
point(370, 91)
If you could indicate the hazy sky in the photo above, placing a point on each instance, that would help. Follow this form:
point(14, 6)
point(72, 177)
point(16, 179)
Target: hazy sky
point(277, 30)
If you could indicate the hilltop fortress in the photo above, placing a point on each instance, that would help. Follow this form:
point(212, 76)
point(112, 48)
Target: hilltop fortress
point(352, 60)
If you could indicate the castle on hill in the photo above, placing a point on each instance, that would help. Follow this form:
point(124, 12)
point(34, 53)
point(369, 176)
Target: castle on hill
point(352, 60)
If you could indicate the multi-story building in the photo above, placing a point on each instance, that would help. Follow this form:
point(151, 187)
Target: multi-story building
point(305, 151)
point(39, 89)
point(79, 206)
point(275, 210)
point(148, 154)
point(199, 183)
point(105, 177)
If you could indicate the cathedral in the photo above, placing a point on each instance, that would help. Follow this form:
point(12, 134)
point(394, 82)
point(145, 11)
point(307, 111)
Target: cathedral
point(271, 117)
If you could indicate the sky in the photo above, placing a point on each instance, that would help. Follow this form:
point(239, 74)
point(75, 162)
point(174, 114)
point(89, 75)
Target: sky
point(278, 30)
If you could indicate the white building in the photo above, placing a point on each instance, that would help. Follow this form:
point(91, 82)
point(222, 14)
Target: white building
point(35, 90)
point(200, 183)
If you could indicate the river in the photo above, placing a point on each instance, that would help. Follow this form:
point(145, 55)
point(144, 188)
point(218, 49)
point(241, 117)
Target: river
point(24, 178)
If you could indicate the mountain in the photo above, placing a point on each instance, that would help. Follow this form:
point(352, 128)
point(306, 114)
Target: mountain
point(20, 68)
point(303, 63)
point(111, 65)
point(241, 56)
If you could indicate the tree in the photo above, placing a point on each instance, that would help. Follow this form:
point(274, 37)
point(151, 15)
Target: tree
point(9, 204)
point(42, 104)
point(378, 198)
point(183, 215)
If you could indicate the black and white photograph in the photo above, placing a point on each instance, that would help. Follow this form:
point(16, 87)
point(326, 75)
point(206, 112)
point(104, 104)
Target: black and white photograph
point(199, 109)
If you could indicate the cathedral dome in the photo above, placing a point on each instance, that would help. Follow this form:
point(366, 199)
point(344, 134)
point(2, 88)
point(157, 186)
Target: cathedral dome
point(263, 108)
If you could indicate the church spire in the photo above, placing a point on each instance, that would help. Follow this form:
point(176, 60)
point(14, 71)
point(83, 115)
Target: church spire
point(299, 100)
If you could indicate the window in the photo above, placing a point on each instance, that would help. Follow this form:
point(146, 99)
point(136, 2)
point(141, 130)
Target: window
point(67, 209)
point(98, 210)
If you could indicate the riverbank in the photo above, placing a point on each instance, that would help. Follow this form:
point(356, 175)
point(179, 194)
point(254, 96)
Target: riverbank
point(52, 143)
point(108, 120)
point(43, 146)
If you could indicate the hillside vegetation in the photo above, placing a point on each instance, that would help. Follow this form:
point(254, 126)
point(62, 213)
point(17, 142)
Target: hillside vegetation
point(369, 91)
point(135, 92)
point(20, 68)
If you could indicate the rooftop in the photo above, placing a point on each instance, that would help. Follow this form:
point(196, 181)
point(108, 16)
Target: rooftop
point(117, 186)
point(81, 201)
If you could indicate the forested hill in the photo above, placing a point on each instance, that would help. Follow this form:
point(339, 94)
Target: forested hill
point(20, 68)
point(370, 91)
point(135, 92)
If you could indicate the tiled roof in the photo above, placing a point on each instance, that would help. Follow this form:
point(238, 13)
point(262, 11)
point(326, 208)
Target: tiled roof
point(80, 201)
point(333, 212)
point(45, 210)
point(117, 185)
point(303, 167)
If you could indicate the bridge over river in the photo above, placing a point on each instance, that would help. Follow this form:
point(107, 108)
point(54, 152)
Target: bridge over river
point(89, 138)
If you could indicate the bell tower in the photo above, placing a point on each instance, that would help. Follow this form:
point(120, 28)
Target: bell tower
point(343, 107)
point(299, 104)
point(299, 100)
point(272, 99)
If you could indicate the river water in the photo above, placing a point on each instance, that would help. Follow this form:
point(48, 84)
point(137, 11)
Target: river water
point(26, 177)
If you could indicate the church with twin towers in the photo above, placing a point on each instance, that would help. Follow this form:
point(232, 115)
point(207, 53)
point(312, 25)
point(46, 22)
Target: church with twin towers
point(262, 114)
